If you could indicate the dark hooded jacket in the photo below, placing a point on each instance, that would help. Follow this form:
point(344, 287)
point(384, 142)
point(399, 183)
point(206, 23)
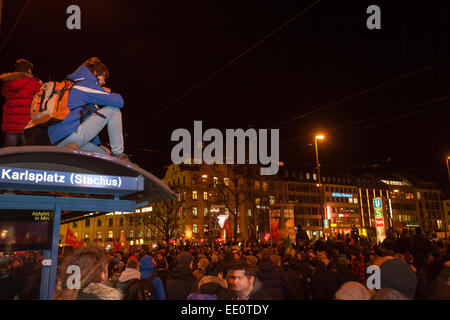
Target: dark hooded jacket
point(297, 282)
point(323, 283)
point(273, 279)
point(180, 283)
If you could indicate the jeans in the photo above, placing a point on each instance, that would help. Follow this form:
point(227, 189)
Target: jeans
point(14, 139)
point(92, 126)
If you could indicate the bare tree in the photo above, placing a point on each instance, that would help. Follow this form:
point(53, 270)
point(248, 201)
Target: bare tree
point(231, 187)
point(166, 217)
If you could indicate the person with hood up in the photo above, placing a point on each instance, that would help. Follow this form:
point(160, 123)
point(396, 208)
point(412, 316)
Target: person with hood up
point(181, 282)
point(18, 89)
point(80, 128)
point(150, 280)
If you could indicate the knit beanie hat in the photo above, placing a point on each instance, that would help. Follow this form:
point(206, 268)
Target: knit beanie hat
point(352, 291)
point(132, 263)
point(184, 259)
point(398, 275)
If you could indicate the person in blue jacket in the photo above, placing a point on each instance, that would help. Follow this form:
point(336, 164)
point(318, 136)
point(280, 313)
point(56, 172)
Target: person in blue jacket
point(146, 267)
point(82, 125)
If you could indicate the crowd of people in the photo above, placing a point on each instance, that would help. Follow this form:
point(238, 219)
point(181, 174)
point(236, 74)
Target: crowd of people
point(411, 267)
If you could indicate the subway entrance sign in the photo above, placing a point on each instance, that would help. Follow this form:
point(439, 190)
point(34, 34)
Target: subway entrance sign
point(379, 218)
point(44, 187)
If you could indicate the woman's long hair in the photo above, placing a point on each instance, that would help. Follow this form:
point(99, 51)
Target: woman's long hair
point(92, 262)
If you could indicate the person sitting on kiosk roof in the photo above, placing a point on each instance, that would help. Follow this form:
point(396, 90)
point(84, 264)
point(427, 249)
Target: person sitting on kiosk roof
point(80, 129)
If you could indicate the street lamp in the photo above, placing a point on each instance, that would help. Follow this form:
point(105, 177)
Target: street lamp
point(319, 137)
point(448, 168)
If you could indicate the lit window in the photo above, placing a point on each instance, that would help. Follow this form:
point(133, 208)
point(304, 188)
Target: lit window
point(264, 186)
point(131, 233)
point(314, 176)
point(205, 195)
point(238, 229)
point(308, 176)
point(205, 211)
point(272, 199)
point(194, 228)
point(110, 234)
point(194, 195)
point(75, 234)
point(249, 212)
point(194, 211)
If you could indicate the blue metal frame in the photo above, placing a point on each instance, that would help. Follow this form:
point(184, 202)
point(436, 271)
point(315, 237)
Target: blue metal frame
point(57, 204)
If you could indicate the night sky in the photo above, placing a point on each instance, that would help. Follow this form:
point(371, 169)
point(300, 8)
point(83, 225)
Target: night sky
point(158, 50)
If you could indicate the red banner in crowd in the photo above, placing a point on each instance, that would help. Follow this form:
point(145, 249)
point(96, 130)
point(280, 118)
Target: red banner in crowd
point(72, 240)
point(274, 228)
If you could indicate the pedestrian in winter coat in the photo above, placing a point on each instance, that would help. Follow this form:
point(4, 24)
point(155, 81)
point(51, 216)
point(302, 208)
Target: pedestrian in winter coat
point(245, 284)
point(272, 277)
point(93, 266)
point(129, 281)
point(181, 282)
point(403, 244)
point(19, 88)
point(323, 282)
point(297, 281)
point(146, 268)
point(420, 247)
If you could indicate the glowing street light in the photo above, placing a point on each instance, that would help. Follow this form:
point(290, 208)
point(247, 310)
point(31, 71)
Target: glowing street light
point(320, 137)
point(448, 168)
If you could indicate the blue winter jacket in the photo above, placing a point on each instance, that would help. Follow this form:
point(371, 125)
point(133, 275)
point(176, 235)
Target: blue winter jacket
point(146, 267)
point(85, 91)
